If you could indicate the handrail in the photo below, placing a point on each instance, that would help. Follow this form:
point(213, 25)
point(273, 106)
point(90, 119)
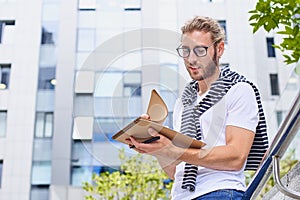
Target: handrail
point(280, 186)
point(282, 140)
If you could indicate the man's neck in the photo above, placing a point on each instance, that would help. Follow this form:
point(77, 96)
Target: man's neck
point(204, 84)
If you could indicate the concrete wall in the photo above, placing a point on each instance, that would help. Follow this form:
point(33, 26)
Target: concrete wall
point(22, 53)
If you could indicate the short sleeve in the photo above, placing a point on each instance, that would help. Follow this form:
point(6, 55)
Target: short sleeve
point(242, 107)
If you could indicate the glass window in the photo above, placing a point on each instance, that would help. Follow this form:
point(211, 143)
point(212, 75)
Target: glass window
point(48, 56)
point(271, 49)
point(82, 152)
point(120, 84)
point(86, 39)
point(105, 128)
point(7, 30)
point(1, 167)
point(132, 5)
point(132, 84)
point(87, 19)
point(132, 19)
point(110, 5)
point(87, 5)
point(3, 121)
point(279, 117)
point(81, 174)
point(44, 124)
point(169, 77)
point(46, 78)
point(109, 84)
point(4, 76)
point(1, 30)
point(39, 192)
point(49, 33)
point(223, 25)
point(83, 128)
point(42, 149)
point(274, 84)
point(41, 173)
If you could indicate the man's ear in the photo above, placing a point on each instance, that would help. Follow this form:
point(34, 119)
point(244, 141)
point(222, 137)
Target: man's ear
point(220, 49)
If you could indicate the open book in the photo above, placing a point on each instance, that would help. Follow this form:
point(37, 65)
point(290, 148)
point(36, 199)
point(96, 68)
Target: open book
point(158, 112)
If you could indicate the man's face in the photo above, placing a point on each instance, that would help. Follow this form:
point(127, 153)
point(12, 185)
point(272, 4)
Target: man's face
point(200, 68)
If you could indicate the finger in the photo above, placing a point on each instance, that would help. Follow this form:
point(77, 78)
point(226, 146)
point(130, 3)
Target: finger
point(134, 142)
point(128, 141)
point(145, 116)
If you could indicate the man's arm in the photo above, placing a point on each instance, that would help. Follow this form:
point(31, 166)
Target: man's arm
point(231, 156)
point(168, 167)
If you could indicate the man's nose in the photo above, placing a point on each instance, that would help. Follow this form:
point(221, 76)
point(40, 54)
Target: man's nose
point(192, 58)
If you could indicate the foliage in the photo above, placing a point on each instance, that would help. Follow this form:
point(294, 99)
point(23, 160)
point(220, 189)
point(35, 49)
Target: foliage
point(286, 164)
point(140, 178)
point(274, 14)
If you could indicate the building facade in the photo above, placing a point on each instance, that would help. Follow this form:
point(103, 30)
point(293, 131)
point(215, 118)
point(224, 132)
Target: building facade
point(73, 72)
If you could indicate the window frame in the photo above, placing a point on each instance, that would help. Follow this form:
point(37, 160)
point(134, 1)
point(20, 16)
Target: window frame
point(270, 49)
point(44, 82)
point(1, 170)
point(5, 69)
point(274, 84)
point(4, 23)
point(44, 134)
point(5, 124)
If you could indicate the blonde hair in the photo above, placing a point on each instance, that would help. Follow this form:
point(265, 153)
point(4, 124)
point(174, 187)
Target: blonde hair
point(205, 24)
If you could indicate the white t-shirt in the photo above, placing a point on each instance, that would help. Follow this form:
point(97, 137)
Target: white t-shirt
point(238, 108)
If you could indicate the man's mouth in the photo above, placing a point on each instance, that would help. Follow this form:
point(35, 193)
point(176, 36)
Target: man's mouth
point(194, 67)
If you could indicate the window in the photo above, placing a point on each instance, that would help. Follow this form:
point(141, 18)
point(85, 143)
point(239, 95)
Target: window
point(274, 84)
point(1, 167)
point(47, 36)
point(4, 76)
point(132, 84)
point(87, 4)
point(223, 25)
point(271, 49)
point(279, 117)
point(83, 128)
point(41, 173)
point(132, 5)
point(84, 173)
point(3, 119)
point(44, 124)
point(39, 192)
point(49, 32)
point(7, 31)
point(47, 78)
point(127, 84)
point(105, 128)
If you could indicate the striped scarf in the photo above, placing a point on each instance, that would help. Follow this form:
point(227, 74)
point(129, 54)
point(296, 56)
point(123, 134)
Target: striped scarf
point(190, 124)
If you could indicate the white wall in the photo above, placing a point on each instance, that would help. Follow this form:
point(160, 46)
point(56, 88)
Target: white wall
point(23, 55)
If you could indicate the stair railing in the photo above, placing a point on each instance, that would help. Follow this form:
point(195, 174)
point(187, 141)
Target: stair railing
point(286, 133)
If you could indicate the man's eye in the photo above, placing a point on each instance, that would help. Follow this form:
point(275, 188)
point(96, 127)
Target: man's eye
point(200, 51)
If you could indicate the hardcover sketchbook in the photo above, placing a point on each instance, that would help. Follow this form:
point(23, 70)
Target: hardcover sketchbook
point(158, 112)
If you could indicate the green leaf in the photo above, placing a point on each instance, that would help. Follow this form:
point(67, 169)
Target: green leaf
point(256, 16)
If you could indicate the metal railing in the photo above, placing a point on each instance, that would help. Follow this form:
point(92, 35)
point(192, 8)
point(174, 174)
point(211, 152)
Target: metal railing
point(280, 186)
point(286, 133)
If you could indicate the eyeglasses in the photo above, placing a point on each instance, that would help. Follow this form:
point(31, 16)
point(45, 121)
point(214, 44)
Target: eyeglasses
point(199, 51)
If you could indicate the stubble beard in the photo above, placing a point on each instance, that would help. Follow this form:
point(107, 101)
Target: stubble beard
point(207, 71)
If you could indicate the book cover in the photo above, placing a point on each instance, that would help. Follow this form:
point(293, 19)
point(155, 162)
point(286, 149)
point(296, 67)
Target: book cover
point(158, 112)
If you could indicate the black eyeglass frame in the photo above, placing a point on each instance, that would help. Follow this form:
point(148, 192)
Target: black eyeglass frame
point(194, 49)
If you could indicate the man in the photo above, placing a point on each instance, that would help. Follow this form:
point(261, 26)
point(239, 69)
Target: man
point(219, 107)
